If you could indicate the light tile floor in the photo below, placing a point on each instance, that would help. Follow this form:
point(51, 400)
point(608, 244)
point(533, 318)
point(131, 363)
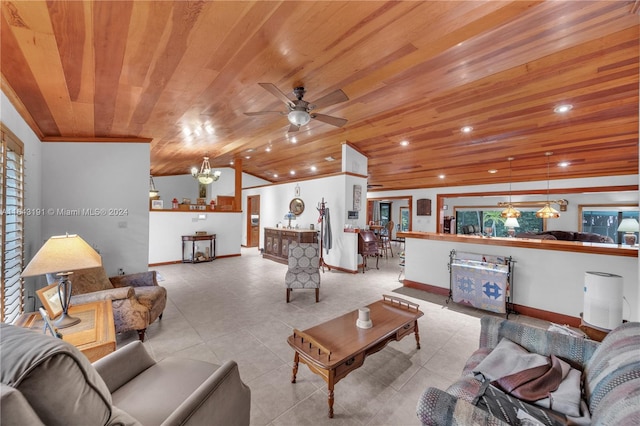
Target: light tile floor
point(234, 308)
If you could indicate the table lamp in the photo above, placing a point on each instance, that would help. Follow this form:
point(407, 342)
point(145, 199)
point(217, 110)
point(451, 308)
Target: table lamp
point(511, 223)
point(629, 226)
point(61, 254)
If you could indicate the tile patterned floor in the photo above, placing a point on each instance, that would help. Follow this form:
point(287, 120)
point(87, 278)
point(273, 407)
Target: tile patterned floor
point(234, 308)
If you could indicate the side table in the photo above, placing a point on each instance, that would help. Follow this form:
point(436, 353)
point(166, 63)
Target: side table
point(94, 335)
point(191, 257)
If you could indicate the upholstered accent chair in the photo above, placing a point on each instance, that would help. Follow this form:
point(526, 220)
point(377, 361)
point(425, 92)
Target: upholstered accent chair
point(137, 299)
point(47, 381)
point(303, 268)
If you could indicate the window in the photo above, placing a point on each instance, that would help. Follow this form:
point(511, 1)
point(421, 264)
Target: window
point(12, 204)
point(385, 213)
point(490, 217)
point(605, 219)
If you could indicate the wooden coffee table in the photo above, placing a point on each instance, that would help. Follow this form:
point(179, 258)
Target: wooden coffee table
point(337, 347)
point(94, 335)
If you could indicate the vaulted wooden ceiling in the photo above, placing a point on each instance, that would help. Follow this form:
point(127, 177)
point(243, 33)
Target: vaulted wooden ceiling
point(182, 74)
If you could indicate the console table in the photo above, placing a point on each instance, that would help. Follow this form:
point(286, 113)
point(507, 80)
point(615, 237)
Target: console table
point(207, 256)
point(94, 335)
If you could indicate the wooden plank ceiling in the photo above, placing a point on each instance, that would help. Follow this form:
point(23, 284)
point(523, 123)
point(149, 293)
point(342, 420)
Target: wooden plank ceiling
point(182, 74)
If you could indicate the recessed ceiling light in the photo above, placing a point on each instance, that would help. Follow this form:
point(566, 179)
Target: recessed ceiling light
point(231, 162)
point(329, 158)
point(292, 172)
point(563, 108)
point(275, 175)
point(248, 157)
point(441, 176)
point(268, 149)
point(466, 129)
point(404, 143)
point(492, 171)
point(294, 140)
point(564, 164)
point(313, 168)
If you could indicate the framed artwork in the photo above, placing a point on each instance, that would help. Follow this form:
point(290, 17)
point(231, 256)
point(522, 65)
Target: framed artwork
point(50, 300)
point(357, 197)
point(156, 204)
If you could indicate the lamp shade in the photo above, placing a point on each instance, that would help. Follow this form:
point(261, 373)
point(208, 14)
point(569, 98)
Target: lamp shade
point(511, 222)
point(62, 254)
point(510, 212)
point(629, 225)
point(547, 212)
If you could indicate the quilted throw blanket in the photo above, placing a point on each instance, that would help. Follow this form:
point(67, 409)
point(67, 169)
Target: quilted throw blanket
point(547, 382)
point(480, 283)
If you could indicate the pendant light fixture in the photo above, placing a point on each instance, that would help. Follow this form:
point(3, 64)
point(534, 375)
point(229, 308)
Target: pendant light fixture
point(510, 211)
point(205, 176)
point(548, 212)
point(153, 192)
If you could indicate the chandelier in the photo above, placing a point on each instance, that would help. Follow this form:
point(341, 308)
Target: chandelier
point(510, 212)
point(205, 176)
point(548, 212)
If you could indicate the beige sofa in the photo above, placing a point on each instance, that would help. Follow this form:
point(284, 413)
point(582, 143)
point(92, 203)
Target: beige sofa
point(46, 381)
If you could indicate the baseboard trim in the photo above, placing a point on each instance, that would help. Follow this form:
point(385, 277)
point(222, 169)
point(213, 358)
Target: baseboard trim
point(173, 262)
point(520, 309)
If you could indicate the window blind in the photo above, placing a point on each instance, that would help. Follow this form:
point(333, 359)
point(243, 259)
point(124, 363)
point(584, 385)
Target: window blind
point(12, 227)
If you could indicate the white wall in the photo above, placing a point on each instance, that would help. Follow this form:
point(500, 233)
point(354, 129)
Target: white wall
point(167, 228)
point(185, 186)
point(110, 180)
point(543, 279)
point(337, 192)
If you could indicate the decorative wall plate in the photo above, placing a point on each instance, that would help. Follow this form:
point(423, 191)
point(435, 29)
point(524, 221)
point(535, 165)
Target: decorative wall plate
point(296, 206)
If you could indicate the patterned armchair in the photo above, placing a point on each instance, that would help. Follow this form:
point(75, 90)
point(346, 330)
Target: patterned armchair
point(303, 268)
point(137, 299)
point(610, 376)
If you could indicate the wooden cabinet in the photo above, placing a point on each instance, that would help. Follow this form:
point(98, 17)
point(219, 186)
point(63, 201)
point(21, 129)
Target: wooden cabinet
point(368, 247)
point(277, 240)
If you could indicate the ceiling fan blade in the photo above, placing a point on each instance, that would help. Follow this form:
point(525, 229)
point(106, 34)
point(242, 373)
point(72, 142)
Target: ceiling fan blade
point(293, 128)
point(271, 88)
point(264, 113)
point(334, 121)
point(330, 99)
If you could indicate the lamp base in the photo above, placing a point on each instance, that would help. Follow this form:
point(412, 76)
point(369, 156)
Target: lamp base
point(630, 239)
point(66, 321)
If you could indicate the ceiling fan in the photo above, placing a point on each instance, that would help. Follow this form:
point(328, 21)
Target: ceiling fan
point(299, 111)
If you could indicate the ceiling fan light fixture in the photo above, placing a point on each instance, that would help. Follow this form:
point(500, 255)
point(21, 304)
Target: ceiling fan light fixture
point(299, 117)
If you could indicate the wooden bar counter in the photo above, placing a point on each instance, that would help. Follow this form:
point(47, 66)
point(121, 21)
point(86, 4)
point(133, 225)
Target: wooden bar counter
point(548, 274)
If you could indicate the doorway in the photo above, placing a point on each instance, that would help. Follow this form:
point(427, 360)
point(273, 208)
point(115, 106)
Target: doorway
point(253, 220)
